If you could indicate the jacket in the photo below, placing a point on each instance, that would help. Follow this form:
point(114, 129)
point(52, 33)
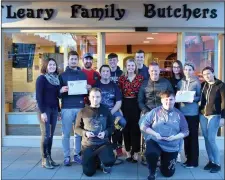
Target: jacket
point(94, 120)
point(190, 109)
point(213, 99)
point(144, 72)
point(72, 101)
point(149, 94)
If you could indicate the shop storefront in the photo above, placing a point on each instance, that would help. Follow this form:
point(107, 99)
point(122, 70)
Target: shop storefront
point(33, 31)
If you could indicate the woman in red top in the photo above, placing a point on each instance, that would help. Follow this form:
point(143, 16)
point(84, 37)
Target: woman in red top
point(130, 84)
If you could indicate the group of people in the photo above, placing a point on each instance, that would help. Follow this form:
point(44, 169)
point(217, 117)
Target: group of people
point(122, 105)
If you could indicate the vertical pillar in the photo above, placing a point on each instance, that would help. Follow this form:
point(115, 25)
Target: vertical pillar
point(100, 49)
point(216, 57)
point(65, 56)
point(221, 64)
point(181, 47)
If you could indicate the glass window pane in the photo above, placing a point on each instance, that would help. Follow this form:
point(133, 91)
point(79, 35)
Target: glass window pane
point(23, 58)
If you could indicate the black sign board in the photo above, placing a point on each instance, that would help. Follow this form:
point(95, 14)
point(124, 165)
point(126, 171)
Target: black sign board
point(23, 55)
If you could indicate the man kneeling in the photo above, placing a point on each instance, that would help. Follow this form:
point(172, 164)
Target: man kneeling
point(95, 124)
point(163, 128)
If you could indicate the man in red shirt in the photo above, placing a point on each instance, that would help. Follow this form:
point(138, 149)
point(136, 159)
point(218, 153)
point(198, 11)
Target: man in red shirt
point(92, 75)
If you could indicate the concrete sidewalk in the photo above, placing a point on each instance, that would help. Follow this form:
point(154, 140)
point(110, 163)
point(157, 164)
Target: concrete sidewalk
point(24, 163)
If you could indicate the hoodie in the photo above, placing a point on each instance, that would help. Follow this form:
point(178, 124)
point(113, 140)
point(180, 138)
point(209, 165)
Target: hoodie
point(116, 74)
point(94, 120)
point(144, 72)
point(190, 109)
point(72, 101)
point(213, 99)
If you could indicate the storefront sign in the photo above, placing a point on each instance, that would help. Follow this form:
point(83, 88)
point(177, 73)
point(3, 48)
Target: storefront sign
point(110, 11)
point(125, 14)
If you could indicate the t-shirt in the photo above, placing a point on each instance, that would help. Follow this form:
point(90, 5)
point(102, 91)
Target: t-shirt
point(92, 76)
point(110, 93)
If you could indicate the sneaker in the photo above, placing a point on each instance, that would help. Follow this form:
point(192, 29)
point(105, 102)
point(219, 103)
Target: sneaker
point(128, 158)
point(185, 164)
point(151, 177)
point(67, 161)
point(77, 159)
point(179, 158)
point(209, 166)
point(189, 166)
point(215, 169)
point(119, 152)
point(106, 170)
point(135, 158)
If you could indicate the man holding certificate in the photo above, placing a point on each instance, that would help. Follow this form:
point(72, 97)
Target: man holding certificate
point(73, 84)
point(188, 96)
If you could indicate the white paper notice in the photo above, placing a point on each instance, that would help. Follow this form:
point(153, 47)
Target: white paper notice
point(77, 87)
point(185, 96)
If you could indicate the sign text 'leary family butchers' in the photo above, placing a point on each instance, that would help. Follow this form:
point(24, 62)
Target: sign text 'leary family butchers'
point(112, 11)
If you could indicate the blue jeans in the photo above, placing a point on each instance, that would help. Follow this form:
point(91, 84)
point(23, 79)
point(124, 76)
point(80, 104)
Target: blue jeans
point(47, 130)
point(68, 122)
point(210, 126)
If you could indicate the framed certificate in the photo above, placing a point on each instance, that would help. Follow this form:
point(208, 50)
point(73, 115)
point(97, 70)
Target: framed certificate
point(77, 87)
point(185, 96)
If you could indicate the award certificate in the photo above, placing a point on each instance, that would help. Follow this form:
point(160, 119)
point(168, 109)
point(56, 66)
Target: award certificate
point(77, 87)
point(185, 96)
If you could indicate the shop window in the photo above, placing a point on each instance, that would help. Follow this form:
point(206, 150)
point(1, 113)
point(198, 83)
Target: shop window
point(200, 49)
point(24, 54)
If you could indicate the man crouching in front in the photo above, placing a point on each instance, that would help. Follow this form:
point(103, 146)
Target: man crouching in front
point(95, 124)
point(163, 128)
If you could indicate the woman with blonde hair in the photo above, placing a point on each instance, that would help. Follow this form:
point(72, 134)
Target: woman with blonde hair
point(130, 84)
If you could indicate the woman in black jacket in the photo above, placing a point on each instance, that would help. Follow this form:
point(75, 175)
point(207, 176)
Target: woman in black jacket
point(212, 115)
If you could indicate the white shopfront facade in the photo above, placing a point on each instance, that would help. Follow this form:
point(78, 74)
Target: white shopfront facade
point(98, 18)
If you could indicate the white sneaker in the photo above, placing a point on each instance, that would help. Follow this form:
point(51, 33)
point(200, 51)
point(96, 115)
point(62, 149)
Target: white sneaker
point(128, 154)
point(179, 158)
point(135, 156)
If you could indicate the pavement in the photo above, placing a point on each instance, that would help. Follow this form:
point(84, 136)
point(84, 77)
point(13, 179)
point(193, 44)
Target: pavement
point(25, 163)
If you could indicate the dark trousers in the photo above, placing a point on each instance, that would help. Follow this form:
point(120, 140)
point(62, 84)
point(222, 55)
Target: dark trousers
point(131, 133)
point(116, 139)
point(168, 159)
point(91, 154)
point(47, 130)
point(191, 145)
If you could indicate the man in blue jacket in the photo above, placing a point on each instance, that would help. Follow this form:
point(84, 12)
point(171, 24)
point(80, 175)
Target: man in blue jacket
point(71, 105)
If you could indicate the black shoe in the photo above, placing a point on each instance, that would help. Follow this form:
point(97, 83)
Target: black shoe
point(151, 177)
point(129, 159)
point(215, 169)
point(185, 163)
point(53, 163)
point(209, 166)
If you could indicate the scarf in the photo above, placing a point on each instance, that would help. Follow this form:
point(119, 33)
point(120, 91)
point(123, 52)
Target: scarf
point(52, 79)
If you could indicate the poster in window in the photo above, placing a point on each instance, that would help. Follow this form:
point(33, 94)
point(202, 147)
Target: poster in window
point(23, 55)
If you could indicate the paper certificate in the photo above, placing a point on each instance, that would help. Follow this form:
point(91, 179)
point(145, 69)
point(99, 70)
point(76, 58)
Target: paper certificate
point(185, 96)
point(77, 87)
